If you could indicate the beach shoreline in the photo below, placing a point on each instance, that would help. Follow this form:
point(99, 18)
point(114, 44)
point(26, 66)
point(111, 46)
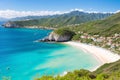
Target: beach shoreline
point(102, 55)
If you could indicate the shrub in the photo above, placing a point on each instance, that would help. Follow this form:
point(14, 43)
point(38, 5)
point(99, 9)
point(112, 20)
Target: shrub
point(64, 31)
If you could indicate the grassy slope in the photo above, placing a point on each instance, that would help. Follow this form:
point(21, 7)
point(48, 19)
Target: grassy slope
point(109, 68)
point(104, 27)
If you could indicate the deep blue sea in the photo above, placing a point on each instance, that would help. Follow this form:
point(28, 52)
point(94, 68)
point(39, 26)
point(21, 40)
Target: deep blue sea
point(22, 58)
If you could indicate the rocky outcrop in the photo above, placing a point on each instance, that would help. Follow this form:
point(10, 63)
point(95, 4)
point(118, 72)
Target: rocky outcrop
point(10, 25)
point(59, 38)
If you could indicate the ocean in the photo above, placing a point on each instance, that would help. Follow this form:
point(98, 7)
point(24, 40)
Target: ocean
point(21, 58)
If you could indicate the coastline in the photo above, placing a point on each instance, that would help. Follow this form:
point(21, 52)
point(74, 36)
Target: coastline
point(40, 27)
point(101, 54)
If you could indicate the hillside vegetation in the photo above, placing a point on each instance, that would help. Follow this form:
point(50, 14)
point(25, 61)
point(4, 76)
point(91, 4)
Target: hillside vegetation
point(74, 17)
point(109, 71)
point(106, 27)
point(64, 31)
point(104, 33)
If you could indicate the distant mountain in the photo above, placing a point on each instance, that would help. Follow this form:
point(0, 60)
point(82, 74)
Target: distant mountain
point(74, 17)
point(106, 27)
point(32, 17)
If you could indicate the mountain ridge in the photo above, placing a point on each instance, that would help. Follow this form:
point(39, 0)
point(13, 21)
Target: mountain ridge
point(74, 12)
point(102, 27)
point(74, 17)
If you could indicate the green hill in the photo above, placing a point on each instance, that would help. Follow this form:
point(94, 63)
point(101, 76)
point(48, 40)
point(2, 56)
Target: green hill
point(106, 27)
point(74, 17)
point(104, 33)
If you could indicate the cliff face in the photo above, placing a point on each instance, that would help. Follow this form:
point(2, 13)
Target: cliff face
point(59, 38)
point(10, 25)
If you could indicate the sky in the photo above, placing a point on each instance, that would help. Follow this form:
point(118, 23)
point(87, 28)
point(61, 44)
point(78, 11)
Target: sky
point(14, 8)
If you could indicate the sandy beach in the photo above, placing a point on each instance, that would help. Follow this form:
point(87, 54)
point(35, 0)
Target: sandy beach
point(101, 54)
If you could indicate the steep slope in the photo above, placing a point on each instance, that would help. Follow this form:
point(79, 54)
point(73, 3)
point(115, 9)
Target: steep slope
point(109, 68)
point(106, 27)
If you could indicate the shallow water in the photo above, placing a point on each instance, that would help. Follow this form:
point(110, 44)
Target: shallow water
point(23, 59)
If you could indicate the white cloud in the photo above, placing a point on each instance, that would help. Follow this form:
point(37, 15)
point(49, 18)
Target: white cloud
point(12, 13)
point(76, 9)
point(117, 11)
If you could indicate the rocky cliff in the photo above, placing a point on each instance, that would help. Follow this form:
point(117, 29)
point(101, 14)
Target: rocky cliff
point(59, 35)
point(59, 38)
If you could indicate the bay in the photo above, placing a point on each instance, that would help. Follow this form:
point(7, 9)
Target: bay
point(22, 58)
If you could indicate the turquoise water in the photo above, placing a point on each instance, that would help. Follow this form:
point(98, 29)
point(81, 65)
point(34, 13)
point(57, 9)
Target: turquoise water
point(23, 59)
